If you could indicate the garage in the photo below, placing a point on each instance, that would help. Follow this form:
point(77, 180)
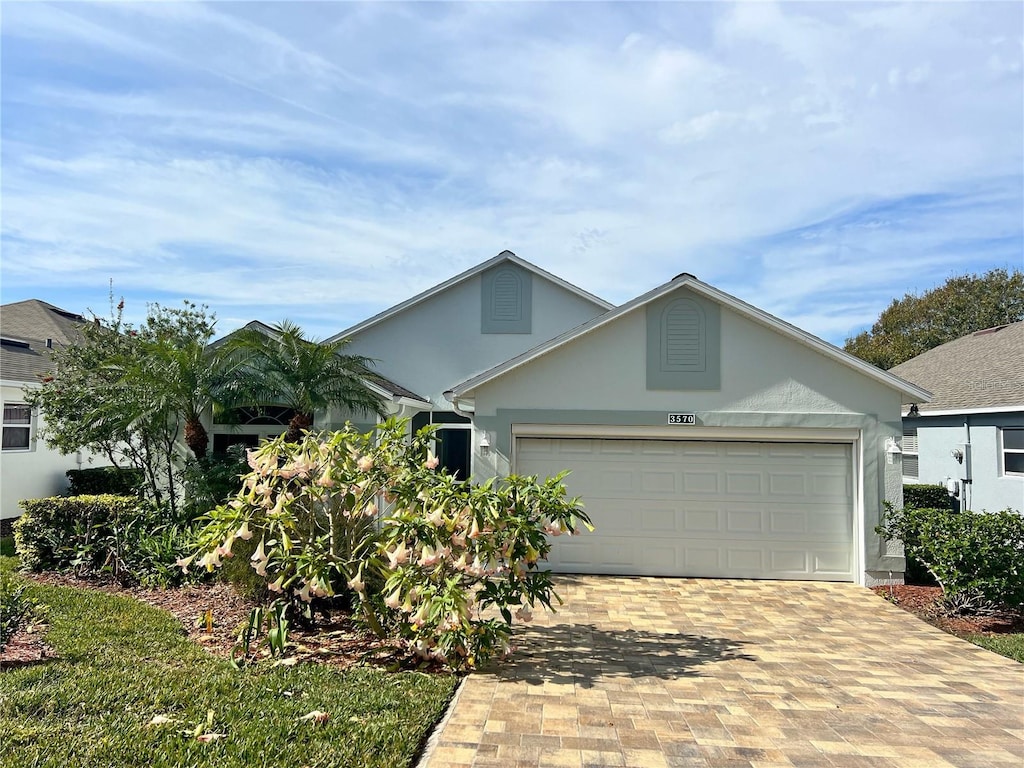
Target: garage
point(739, 509)
point(706, 438)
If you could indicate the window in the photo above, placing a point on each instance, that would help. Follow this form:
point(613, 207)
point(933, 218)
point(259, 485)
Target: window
point(1013, 450)
point(909, 448)
point(17, 427)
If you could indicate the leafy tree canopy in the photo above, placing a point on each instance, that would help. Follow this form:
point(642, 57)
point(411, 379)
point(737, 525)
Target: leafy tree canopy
point(962, 305)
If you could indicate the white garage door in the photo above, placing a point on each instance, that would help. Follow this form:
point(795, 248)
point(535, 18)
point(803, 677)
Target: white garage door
point(690, 508)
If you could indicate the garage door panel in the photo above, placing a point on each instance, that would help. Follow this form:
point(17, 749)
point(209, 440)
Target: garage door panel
point(703, 508)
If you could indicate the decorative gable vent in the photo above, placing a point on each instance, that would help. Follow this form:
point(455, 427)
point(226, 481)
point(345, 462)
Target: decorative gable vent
point(683, 337)
point(506, 300)
point(507, 297)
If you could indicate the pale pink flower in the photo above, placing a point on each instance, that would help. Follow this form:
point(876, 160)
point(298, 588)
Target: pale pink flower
point(243, 532)
point(432, 461)
point(393, 600)
point(398, 555)
point(357, 585)
point(554, 529)
point(211, 560)
point(430, 556)
point(370, 510)
point(303, 594)
point(419, 618)
point(460, 564)
point(474, 530)
point(319, 587)
point(459, 539)
point(184, 562)
point(325, 480)
point(436, 517)
point(365, 463)
point(524, 614)
point(277, 586)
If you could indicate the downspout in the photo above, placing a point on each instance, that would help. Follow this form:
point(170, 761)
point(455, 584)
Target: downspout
point(451, 398)
point(967, 479)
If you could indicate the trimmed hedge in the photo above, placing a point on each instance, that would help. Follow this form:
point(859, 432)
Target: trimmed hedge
point(63, 532)
point(976, 557)
point(926, 497)
point(96, 481)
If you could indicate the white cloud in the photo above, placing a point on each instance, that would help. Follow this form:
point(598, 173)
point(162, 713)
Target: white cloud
point(325, 160)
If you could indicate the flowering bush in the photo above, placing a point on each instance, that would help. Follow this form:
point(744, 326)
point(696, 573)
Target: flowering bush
point(425, 554)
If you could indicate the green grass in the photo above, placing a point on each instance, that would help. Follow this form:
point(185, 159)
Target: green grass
point(122, 662)
point(1009, 645)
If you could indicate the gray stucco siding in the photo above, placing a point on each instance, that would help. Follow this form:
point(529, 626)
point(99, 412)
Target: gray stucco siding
point(432, 346)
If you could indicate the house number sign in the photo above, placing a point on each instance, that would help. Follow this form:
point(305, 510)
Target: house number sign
point(682, 418)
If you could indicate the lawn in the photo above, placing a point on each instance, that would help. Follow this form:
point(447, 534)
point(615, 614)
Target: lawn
point(1009, 645)
point(121, 663)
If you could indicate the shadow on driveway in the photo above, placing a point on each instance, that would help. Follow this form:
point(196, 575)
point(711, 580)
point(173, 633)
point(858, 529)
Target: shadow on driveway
point(582, 654)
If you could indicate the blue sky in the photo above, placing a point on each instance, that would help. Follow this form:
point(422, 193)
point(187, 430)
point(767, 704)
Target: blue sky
point(322, 161)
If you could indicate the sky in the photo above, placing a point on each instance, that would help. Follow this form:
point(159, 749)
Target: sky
point(322, 161)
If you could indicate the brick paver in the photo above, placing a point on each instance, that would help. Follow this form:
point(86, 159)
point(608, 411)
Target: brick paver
point(708, 672)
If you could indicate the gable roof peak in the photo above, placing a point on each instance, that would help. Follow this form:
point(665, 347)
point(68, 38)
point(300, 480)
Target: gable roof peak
point(504, 256)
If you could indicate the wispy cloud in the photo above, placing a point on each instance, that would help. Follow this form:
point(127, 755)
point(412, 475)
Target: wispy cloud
point(324, 160)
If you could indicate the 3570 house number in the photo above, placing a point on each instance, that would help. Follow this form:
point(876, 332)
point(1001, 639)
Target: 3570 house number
point(682, 418)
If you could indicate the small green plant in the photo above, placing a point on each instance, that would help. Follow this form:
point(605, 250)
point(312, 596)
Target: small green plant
point(272, 619)
point(16, 607)
point(976, 557)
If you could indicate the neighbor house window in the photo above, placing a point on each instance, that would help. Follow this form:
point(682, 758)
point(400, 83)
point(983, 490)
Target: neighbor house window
point(1013, 451)
point(17, 427)
point(909, 448)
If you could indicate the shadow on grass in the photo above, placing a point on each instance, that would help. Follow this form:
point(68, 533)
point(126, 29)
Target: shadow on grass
point(582, 654)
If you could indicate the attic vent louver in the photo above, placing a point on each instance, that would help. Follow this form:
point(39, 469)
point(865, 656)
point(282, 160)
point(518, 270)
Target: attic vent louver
point(507, 303)
point(683, 337)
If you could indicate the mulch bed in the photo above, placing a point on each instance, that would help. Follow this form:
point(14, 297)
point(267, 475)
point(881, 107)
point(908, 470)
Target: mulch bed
point(335, 639)
point(924, 603)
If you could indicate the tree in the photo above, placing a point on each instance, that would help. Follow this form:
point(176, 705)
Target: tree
point(962, 305)
point(126, 392)
point(283, 367)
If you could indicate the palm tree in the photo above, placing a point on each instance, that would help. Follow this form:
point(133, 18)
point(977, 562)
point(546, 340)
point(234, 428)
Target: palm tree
point(280, 366)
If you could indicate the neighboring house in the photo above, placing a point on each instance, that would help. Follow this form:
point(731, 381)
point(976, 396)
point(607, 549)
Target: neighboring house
point(971, 435)
point(28, 468)
point(706, 437)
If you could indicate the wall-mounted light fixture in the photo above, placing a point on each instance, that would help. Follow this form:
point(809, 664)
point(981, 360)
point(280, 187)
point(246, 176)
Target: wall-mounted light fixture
point(892, 450)
point(914, 411)
point(485, 444)
point(957, 454)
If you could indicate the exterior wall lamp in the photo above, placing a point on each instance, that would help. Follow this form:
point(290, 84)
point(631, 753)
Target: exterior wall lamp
point(892, 450)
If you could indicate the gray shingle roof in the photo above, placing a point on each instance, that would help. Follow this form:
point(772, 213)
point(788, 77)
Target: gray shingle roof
point(981, 370)
point(25, 327)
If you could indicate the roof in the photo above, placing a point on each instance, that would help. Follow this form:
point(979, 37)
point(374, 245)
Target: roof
point(981, 371)
point(910, 392)
point(462, 277)
point(26, 327)
point(393, 389)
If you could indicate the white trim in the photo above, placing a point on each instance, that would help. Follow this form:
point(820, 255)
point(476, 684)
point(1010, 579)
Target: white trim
point(840, 436)
point(966, 411)
point(462, 277)
point(20, 384)
point(664, 432)
point(911, 392)
point(1003, 472)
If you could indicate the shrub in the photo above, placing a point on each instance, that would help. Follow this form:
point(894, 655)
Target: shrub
point(926, 497)
point(97, 481)
point(976, 557)
point(16, 606)
point(6, 546)
point(427, 568)
point(120, 535)
point(212, 480)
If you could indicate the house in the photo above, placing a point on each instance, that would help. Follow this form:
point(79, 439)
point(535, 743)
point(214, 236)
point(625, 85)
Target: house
point(970, 437)
point(29, 469)
point(706, 437)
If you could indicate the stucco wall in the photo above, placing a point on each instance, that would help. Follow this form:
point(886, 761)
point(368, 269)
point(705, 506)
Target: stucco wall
point(36, 473)
point(437, 344)
point(938, 436)
point(768, 381)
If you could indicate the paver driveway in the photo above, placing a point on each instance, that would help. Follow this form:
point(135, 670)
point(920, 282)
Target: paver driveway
point(690, 672)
